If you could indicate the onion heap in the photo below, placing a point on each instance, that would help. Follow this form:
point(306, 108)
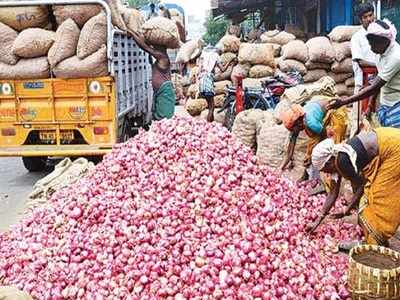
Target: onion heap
point(183, 211)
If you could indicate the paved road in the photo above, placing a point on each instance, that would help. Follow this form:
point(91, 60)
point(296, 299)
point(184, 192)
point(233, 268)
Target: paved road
point(15, 185)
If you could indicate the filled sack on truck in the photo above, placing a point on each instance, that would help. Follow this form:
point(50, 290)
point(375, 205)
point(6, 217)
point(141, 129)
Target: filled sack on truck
point(116, 8)
point(195, 106)
point(219, 117)
point(33, 42)
point(340, 77)
point(93, 36)
point(79, 13)
point(260, 71)
point(287, 65)
point(257, 54)
point(95, 65)
point(161, 31)
point(343, 33)
point(66, 41)
point(229, 43)
point(314, 75)
point(187, 50)
point(345, 66)
point(342, 50)
point(296, 50)
point(29, 68)
point(315, 65)
point(23, 17)
point(7, 38)
point(133, 19)
point(320, 50)
point(277, 37)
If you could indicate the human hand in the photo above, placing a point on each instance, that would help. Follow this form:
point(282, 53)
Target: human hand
point(335, 103)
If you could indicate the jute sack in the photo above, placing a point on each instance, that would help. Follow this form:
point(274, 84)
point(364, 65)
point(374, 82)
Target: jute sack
point(95, 65)
point(227, 57)
point(93, 36)
point(315, 65)
point(343, 33)
point(225, 75)
point(219, 100)
point(219, 86)
point(186, 51)
point(283, 106)
point(320, 50)
point(342, 50)
point(314, 75)
point(67, 36)
point(260, 71)
point(340, 77)
point(296, 50)
point(31, 68)
point(277, 49)
point(245, 126)
point(276, 37)
point(255, 83)
point(349, 82)
point(23, 17)
point(79, 13)
point(286, 65)
point(218, 117)
point(257, 54)
point(193, 91)
point(181, 30)
point(193, 74)
point(271, 143)
point(12, 293)
point(116, 16)
point(345, 66)
point(133, 19)
point(229, 43)
point(33, 42)
point(343, 90)
point(195, 106)
point(240, 70)
point(161, 31)
point(7, 38)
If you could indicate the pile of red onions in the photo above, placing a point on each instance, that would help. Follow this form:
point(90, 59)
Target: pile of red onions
point(180, 212)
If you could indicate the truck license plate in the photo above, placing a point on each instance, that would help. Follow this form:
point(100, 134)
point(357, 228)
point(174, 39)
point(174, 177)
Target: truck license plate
point(67, 135)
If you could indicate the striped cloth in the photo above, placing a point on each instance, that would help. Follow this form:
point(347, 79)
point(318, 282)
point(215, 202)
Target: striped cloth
point(206, 85)
point(389, 116)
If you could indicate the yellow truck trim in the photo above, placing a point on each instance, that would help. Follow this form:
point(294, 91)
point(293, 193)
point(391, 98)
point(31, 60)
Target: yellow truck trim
point(64, 150)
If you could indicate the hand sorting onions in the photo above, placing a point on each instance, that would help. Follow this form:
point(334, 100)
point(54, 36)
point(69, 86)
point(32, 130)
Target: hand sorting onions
point(182, 211)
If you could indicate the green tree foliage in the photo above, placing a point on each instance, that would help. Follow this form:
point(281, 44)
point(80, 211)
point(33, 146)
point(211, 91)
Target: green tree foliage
point(141, 3)
point(215, 30)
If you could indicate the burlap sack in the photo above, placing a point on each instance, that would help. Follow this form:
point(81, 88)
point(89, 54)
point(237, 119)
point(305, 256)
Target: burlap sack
point(219, 100)
point(245, 126)
point(229, 43)
point(240, 70)
point(283, 106)
point(221, 76)
point(343, 33)
point(320, 50)
point(277, 49)
point(23, 17)
point(195, 106)
point(116, 9)
point(271, 144)
point(287, 65)
point(340, 77)
point(342, 50)
point(260, 71)
point(33, 42)
point(161, 31)
point(79, 13)
point(93, 36)
point(95, 65)
point(193, 74)
point(315, 65)
point(193, 91)
point(257, 54)
point(12, 293)
point(186, 51)
point(7, 38)
point(67, 36)
point(177, 82)
point(233, 30)
point(296, 50)
point(133, 19)
point(345, 66)
point(219, 117)
point(276, 37)
point(343, 90)
point(219, 86)
point(255, 83)
point(314, 75)
point(31, 68)
point(349, 82)
point(227, 57)
point(181, 31)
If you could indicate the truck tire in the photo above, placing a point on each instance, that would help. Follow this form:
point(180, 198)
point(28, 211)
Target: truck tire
point(35, 164)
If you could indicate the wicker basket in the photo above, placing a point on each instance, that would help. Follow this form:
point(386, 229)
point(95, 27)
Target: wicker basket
point(367, 283)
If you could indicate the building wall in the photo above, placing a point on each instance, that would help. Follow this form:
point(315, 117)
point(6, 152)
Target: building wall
point(334, 13)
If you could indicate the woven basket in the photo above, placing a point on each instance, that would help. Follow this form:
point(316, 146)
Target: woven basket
point(367, 283)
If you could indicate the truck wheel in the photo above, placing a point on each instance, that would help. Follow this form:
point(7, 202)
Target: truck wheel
point(35, 164)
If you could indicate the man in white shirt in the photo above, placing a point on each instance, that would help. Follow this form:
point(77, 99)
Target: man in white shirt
point(381, 36)
point(362, 56)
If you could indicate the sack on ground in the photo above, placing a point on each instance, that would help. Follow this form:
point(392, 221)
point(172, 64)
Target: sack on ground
point(29, 68)
point(193, 91)
point(79, 13)
point(33, 42)
point(342, 50)
point(23, 17)
point(161, 31)
point(195, 106)
point(320, 50)
point(287, 65)
point(219, 100)
point(340, 77)
point(133, 19)
point(343, 33)
point(95, 65)
point(277, 49)
point(219, 86)
point(219, 117)
point(257, 54)
point(345, 66)
point(271, 144)
point(12, 293)
point(314, 75)
point(93, 36)
point(315, 65)
point(186, 51)
point(296, 50)
point(229, 43)
point(245, 126)
point(255, 83)
point(350, 82)
point(7, 38)
point(343, 90)
point(66, 41)
point(283, 106)
point(276, 37)
point(260, 71)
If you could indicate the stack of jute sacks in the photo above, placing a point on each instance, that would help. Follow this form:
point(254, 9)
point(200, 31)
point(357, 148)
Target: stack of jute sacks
point(74, 45)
